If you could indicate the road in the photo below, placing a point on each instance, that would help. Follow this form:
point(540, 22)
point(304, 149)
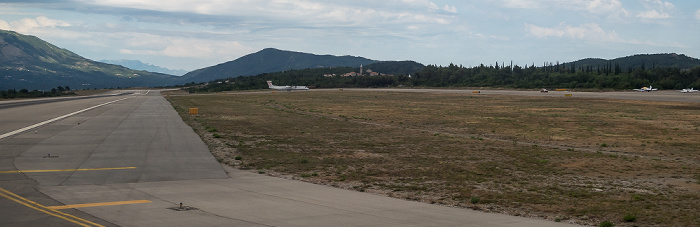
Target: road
point(129, 160)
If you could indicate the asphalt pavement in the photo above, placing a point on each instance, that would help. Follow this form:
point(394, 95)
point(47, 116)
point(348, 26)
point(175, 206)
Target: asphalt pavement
point(130, 161)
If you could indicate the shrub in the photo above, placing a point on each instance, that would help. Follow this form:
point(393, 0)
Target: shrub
point(238, 158)
point(475, 199)
point(606, 224)
point(630, 218)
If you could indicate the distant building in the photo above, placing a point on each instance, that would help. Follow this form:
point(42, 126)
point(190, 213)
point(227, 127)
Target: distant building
point(351, 74)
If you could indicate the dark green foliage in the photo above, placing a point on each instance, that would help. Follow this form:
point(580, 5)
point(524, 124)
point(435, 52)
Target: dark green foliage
point(606, 224)
point(475, 200)
point(555, 76)
point(550, 76)
point(630, 218)
point(24, 93)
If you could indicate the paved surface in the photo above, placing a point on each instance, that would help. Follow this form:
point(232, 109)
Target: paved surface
point(666, 95)
point(133, 161)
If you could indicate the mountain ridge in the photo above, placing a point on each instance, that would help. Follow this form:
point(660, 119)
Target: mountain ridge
point(31, 63)
point(272, 60)
point(638, 61)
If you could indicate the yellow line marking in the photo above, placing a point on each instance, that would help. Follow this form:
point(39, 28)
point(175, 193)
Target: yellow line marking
point(99, 204)
point(31, 204)
point(63, 170)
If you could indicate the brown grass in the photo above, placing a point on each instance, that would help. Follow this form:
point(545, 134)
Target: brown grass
point(572, 160)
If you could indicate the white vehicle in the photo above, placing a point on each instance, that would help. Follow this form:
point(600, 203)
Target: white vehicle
point(286, 88)
point(647, 89)
point(688, 90)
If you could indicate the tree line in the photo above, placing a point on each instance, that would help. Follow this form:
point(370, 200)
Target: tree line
point(569, 76)
point(24, 93)
point(609, 76)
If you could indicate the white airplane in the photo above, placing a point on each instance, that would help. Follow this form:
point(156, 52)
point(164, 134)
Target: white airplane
point(647, 89)
point(286, 88)
point(688, 90)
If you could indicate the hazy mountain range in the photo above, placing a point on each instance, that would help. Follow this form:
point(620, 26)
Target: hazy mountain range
point(31, 63)
point(138, 65)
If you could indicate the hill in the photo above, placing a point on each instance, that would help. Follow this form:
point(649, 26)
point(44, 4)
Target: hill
point(139, 65)
point(641, 61)
point(31, 63)
point(272, 60)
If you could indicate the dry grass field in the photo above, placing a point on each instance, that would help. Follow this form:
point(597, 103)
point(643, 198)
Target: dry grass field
point(572, 160)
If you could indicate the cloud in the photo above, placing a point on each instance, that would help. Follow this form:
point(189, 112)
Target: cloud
point(451, 9)
point(590, 32)
point(653, 14)
point(27, 25)
point(523, 4)
point(611, 8)
point(656, 9)
point(184, 47)
point(697, 14)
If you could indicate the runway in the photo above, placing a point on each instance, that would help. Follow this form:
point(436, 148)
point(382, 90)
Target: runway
point(664, 95)
point(131, 161)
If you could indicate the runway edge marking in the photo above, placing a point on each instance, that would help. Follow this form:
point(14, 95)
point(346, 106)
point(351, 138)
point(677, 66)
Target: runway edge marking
point(54, 119)
point(63, 170)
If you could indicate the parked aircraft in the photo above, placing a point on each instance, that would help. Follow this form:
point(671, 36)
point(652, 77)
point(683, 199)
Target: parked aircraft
point(286, 88)
point(647, 89)
point(688, 90)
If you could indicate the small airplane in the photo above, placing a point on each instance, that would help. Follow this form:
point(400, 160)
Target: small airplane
point(647, 89)
point(286, 88)
point(688, 90)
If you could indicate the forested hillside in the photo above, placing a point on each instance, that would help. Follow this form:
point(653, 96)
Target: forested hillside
point(27, 62)
point(271, 60)
point(557, 76)
point(606, 76)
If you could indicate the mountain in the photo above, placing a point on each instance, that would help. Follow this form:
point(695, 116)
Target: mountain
point(272, 60)
point(647, 61)
point(31, 63)
point(138, 65)
point(396, 67)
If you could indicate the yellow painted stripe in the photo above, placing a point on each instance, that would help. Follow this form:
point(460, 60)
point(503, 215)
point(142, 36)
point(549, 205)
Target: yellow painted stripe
point(31, 204)
point(99, 204)
point(62, 170)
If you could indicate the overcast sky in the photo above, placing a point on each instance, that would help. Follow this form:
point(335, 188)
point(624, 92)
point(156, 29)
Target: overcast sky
point(192, 34)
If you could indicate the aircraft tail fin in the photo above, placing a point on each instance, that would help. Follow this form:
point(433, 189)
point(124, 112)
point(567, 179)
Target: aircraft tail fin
point(269, 84)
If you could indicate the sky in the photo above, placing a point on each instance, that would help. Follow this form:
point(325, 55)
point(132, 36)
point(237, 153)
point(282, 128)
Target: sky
point(193, 34)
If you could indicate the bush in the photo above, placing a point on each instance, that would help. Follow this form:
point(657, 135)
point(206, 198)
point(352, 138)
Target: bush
point(606, 224)
point(238, 158)
point(630, 218)
point(475, 199)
